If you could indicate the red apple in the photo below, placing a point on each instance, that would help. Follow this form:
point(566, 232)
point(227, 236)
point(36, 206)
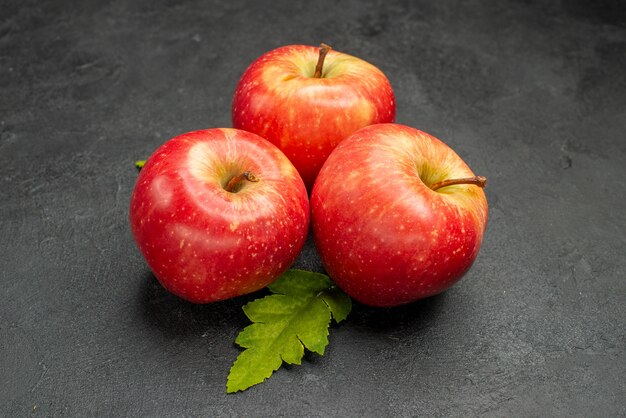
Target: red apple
point(218, 213)
point(306, 100)
point(397, 215)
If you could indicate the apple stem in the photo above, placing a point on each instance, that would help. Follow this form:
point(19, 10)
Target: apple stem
point(235, 183)
point(320, 61)
point(479, 181)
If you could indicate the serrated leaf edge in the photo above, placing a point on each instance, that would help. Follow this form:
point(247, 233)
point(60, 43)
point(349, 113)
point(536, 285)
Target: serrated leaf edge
point(230, 389)
point(332, 316)
point(304, 346)
point(332, 312)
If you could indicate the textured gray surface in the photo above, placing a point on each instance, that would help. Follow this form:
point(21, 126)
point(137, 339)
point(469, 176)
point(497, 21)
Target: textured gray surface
point(531, 94)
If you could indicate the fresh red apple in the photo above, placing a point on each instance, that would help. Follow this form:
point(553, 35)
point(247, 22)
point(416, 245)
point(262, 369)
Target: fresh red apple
point(397, 215)
point(306, 100)
point(218, 213)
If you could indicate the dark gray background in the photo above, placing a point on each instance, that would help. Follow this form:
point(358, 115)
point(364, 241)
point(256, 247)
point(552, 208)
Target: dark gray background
point(531, 94)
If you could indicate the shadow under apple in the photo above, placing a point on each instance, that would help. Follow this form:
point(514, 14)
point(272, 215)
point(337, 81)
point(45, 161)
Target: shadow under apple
point(176, 318)
point(397, 321)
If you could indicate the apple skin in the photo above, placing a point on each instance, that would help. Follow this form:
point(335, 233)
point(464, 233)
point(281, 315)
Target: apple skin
point(384, 236)
point(204, 243)
point(279, 99)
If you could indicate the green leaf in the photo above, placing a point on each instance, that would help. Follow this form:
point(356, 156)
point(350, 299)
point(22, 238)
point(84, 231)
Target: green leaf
point(295, 316)
point(339, 303)
point(139, 164)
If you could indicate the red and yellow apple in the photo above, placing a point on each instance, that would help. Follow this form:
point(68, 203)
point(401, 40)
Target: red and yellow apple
point(305, 100)
point(218, 213)
point(397, 215)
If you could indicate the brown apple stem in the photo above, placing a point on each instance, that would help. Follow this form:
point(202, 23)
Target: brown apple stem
point(479, 181)
point(235, 183)
point(320, 61)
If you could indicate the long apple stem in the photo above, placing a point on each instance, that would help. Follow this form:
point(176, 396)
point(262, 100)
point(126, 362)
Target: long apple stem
point(235, 183)
point(479, 181)
point(320, 61)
